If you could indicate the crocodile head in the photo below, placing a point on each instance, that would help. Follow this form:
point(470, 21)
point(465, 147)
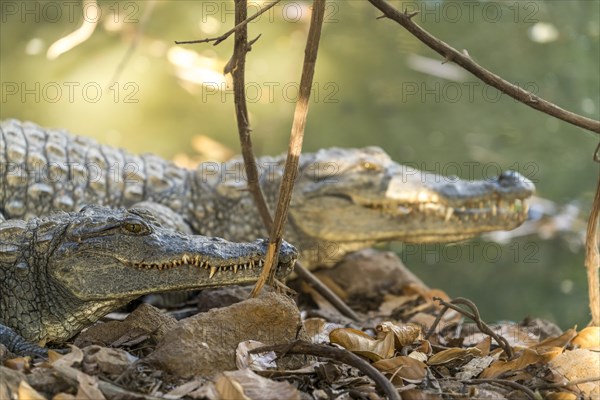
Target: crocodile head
point(106, 254)
point(362, 196)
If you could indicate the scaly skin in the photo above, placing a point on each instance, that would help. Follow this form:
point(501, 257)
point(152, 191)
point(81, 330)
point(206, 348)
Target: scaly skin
point(63, 272)
point(344, 199)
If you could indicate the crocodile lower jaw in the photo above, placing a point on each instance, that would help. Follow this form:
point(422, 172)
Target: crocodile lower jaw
point(197, 261)
point(513, 210)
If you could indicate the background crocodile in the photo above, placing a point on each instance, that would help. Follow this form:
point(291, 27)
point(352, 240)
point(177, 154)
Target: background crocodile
point(344, 199)
point(61, 273)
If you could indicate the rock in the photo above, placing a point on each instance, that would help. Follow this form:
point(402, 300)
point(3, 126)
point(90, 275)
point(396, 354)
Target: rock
point(205, 343)
point(364, 277)
point(145, 320)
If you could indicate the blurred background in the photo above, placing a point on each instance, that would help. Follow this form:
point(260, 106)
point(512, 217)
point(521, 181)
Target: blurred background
point(117, 75)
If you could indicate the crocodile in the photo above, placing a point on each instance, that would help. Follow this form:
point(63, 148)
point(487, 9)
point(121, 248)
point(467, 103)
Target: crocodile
point(344, 199)
point(61, 273)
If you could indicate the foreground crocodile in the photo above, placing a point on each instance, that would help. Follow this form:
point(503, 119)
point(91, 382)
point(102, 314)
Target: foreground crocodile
point(63, 272)
point(344, 199)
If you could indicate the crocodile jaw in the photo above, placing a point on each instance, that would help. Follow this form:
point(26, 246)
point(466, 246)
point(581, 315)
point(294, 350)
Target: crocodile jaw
point(108, 277)
point(423, 210)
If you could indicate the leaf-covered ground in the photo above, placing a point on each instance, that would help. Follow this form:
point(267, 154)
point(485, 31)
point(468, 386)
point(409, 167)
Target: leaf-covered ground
point(426, 345)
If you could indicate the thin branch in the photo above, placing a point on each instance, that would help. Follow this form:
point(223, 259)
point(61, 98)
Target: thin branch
point(558, 385)
point(238, 72)
point(504, 382)
point(290, 171)
point(236, 28)
point(341, 355)
point(592, 259)
point(237, 68)
point(483, 327)
point(327, 293)
point(451, 54)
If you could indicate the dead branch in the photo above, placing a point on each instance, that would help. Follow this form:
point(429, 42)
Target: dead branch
point(464, 60)
point(237, 27)
point(592, 259)
point(290, 171)
point(474, 315)
point(341, 355)
point(504, 382)
point(238, 72)
point(237, 68)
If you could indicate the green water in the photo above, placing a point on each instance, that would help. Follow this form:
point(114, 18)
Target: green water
point(367, 91)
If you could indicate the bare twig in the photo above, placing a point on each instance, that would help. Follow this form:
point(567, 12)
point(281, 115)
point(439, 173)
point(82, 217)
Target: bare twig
point(295, 146)
point(566, 384)
point(530, 393)
point(451, 54)
point(324, 291)
point(592, 259)
point(341, 355)
point(483, 327)
point(237, 69)
point(238, 72)
point(237, 27)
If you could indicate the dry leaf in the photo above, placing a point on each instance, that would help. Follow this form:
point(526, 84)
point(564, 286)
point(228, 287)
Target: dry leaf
point(404, 334)
point(391, 302)
point(407, 368)
point(417, 355)
point(484, 346)
point(53, 356)
point(318, 329)
point(63, 396)
point(579, 364)
point(26, 392)
point(360, 343)
point(183, 390)
point(588, 338)
point(559, 341)
point(257, 361)
point(21, 364)
point(88, 388)
point(525, 359)
point(560, 396)
point(230, 388)
point(106, 360)
point(424, 347)
point(474, 367)
point(70, 359)
point(447, 355)
point(425, 320)
point(246, 385)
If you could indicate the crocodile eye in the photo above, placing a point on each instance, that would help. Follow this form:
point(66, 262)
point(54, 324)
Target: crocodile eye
point(369, 166)
point(135, 227)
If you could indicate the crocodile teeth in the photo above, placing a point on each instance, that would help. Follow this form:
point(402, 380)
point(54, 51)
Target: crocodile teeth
point(235, 267)
point(449, 213)
point(185, 258)
point(213, 271)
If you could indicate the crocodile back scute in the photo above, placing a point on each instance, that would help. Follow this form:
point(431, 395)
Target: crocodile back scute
point(43, 170)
